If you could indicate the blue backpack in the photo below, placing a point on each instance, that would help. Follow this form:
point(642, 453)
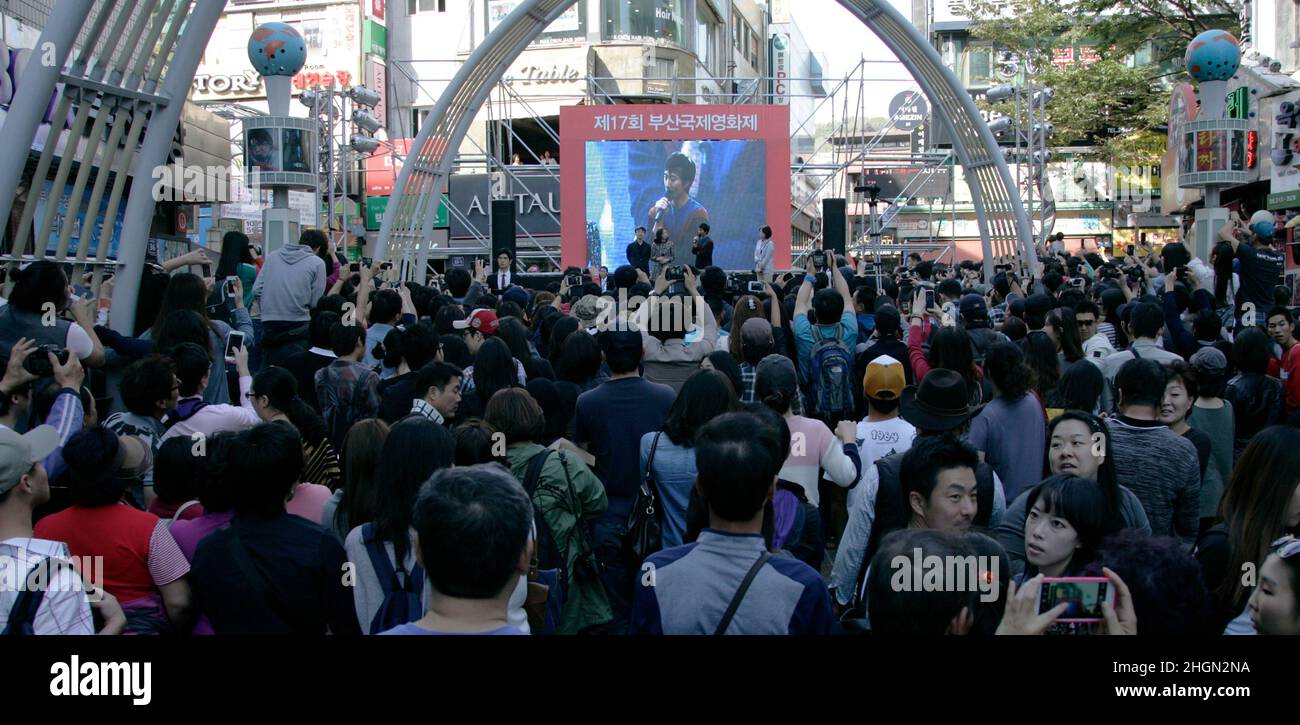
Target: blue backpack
point(832, 373)
point(402, 592)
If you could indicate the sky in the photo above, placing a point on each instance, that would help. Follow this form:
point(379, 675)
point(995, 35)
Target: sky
point(841, 38)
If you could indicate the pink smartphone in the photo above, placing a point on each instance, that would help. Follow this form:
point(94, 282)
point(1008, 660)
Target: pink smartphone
point(1084, 595)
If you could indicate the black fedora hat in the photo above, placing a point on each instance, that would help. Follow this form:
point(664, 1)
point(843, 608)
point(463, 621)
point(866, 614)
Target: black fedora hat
point(941, 402)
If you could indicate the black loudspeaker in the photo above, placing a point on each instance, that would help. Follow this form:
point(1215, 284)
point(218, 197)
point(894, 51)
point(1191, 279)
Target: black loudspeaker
point(503, 229)
point(834, 220)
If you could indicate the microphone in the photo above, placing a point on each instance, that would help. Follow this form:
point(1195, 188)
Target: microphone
point(659, 214)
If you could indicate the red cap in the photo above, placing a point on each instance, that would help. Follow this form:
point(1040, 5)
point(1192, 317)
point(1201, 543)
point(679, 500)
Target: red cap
point(485, 321)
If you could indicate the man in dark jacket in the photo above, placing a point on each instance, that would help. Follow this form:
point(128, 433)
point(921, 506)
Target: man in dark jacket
point(638, 252)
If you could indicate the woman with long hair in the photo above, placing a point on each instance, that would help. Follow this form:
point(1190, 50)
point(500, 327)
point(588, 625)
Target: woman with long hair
point(399, 474)
point(1079, 388)
point(668, 455)
point(189, 292)
point(353, 503)
point(579, 362)
point(723, 362)
point(493, 370)
point(1041, 356)
point(560, 332)
point(747, 307)
point(951, 349)
point(40, 287)
point(1067, 520)
point(515, 335)
point(275, 398)
point(1078, 443)
point(1009, 432)
point(1064, 331)
point(1260, 505)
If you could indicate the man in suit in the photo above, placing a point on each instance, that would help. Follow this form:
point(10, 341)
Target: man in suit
point(503, 276)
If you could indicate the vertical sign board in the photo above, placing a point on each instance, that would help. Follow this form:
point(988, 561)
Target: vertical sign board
point(779, 58)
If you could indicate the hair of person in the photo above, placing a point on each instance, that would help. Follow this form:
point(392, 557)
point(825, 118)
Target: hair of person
point(776, 397)
point(445, 316)
point(476, 441)
point(344, 338)
point(510, 311)
point(930, 456)
point(515, 414)
point(181, 326)
point(713, 280)
point(987, 615)
point(473, 525)
point(1255, 504)
point(917, 610)
point(1040, 354)
point(313, 238)
point(1015, 329)
point(177, 472)
point(949, 288)
point(281, 389)
point(1251, 350)
point(564, 327)
point(319, 329)
point(1106, 476)
point(1079, 387)
point(1141, 382)
point(94, 449)
point(1067, 329)
point(1146, 319)
point(924, 269)
point(579, 359)
point(435, 374)
point(41, 282)
point(1206, 325)
point(185, 291)
point(458, 281)
point(951, 348)
point(737, 457)
point(234, 249)
point(512, 332)
point(494, 368)
point(385, 306)
point(661, 235)
point(766, 231)
point(330, 303)
point(145, 382)
point(723, 362)
point(419, 345)
point(1279, 310)
point(1088, 307)
point(1084, 504)
point(705, 395)
point(774, 421)
point(827, 306)
point(1182, 372)
point(680, 164)
point(1166, 586)
point(704, 226)
point(362, 449)
point(1005, 365)
point(622, 360)
point(1221, 260)
point(192, 365)
point(264, 465)
point(212, 482)
point(400, 474)
point(455, 350)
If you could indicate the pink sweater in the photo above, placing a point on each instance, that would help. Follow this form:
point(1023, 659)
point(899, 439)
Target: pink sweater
point(814, 447)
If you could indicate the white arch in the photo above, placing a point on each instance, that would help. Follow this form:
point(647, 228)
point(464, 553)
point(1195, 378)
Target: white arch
point(1004, 226)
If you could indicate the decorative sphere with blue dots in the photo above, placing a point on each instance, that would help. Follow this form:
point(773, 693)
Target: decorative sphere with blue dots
point(276, 49)
point(1212, 56)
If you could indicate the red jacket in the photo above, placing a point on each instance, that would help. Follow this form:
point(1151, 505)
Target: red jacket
point(1288, 371)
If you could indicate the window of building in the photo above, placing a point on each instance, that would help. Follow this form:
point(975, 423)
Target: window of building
point(708, 37)
point(425, 6)
point(979, 67)
point(655, 19)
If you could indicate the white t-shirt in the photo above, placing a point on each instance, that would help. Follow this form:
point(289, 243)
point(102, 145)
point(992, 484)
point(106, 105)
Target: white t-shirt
point(79, 342)
point(877, 439)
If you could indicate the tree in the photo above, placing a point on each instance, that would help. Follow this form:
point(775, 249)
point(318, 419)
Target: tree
point(1111, 102)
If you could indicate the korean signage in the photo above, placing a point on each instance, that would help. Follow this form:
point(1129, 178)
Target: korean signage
point(673, 121)
point(382, 168)
point(779, 58)
point(1284, 182)
point(908, 110)
point(377, 205)
point(537, 205)
point(910, 182)
point(375, 39)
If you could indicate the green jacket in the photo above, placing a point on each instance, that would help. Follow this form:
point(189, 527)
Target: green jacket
point(563, 501)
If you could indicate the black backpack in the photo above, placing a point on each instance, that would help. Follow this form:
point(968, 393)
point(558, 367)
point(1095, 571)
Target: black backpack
point(22, 615)
point(403, 591)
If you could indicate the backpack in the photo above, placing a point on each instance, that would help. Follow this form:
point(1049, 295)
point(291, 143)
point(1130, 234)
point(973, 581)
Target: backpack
point(22, 615)
point(832, 374)
point(402, 591)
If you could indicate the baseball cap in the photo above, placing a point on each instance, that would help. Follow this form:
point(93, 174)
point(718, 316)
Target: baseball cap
point(775, 372)
point(756, 331)
point(1038, 304)
point(483, 320)
point(973, 307)
point(18, 453)
point(517, 295)
point(888, 320)
point(884, 379)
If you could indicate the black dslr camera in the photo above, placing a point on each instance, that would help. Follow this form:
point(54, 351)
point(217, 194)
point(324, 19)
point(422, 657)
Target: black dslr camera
point(38, 363)
point(676, 273)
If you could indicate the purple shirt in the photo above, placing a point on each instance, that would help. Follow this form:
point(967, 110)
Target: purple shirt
point(412, 628)
point(189, 532)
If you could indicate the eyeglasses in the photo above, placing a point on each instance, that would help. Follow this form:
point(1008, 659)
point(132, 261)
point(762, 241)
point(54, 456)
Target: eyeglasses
point(1286, 547)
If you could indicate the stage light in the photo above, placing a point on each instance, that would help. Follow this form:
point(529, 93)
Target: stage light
point(364, 144)
point(363, 96)
point(366, 121)
point(1000, 93)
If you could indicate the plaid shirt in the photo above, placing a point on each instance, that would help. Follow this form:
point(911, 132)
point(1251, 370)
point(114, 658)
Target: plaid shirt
point(748, 374)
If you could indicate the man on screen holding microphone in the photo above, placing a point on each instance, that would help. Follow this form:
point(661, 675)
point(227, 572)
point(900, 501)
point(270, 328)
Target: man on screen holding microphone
point(676, 212)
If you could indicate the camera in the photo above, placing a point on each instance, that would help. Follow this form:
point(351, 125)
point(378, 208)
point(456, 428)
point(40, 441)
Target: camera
point(675, 273)
point(1078, 282)
point(755, 287)
point(354, 267)
point(38, 363)
point(819, 262)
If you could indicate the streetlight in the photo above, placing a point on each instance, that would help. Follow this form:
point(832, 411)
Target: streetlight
point(337, 109)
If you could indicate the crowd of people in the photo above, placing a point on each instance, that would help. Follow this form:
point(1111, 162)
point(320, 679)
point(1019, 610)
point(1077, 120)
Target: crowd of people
point(297, 444)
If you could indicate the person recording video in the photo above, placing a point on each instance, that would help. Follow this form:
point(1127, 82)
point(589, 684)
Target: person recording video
point(676, 212)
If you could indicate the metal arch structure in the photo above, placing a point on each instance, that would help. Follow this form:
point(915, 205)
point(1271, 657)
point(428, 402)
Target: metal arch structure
point(134, 67)
point(408, 222)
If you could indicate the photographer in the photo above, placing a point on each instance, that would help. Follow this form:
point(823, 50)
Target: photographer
point(668, 359)
point(66, 415)
point(1261, 265)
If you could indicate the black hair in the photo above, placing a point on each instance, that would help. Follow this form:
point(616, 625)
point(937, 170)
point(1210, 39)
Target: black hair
point(234, 251)
point(344, 338)
point(1206, 325)
point(723, 362)
point(827, 306)
point(680, 164)
point(455, 350)
point(928, 457)
point(918, 610)
point(313, 238)
point(512, 332)
point(1040, 354)
point(212, 471)
point(473, 525)
point(951, 348)
point(475, 442)
point(510, 310)
point(266, 468)
point(281, 389)
point(362, 449)
point(1141, 382)
point(385, 306)
point(949, 288)
point(318, 331)
point(445, 316)
point(181, 326)
point(737, 457)
point(93, 450)
point(766, 231)
point(145, 382)
point(494, 369)
point(1180, 370)
point(1221, 259)
point(560, 331)
point(1067, 329)
point(185, 291)
point(1146, 319)
point(1005, 365)
point(579, 359)
point(457, 281)
point(1283, 311)
point(1090, 307)
point(177, 472)
point(1167, 589)
point(622, 360)
point(192, 364)
point(419, 345)
point(1081, 502)
point(1251, 350)
point(1015, 329)
point(435, 374)
point(400, 474)
point(41, 282)
point(704, 396)
point(1079, 387)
